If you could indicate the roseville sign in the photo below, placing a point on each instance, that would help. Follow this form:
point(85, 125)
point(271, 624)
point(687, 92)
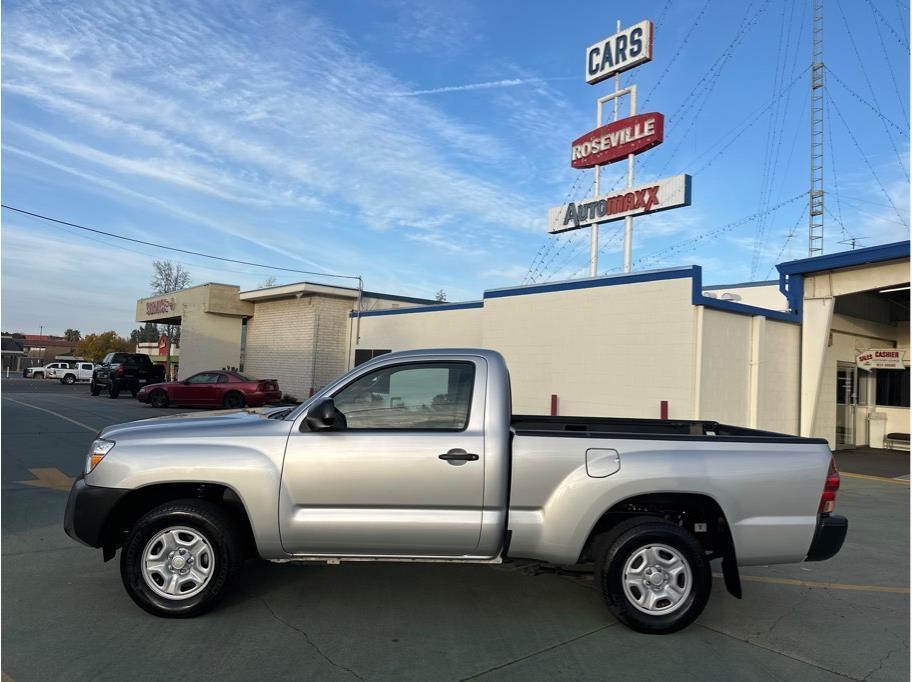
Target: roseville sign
point(884, 358)
point(624, 50)
point(162, 305)
point(656, 196)
point(615, 141)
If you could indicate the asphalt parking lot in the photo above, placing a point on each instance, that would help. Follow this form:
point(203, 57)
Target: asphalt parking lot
point(66, 616)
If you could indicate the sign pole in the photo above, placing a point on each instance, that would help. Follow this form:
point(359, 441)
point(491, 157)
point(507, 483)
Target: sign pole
point(594, 233)
point(628, 220)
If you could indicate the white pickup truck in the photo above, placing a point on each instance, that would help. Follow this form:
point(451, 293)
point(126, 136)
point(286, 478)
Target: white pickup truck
point(76, 371)
point(415, 456)
point(44, 372)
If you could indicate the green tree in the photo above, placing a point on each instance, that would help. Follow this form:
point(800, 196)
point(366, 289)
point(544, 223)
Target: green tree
point(168, 277)
point(95, 346)
point(145, 334)
point(72, 335)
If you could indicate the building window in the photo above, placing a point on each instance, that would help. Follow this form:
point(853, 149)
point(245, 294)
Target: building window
point(893, 387)
point(362, 355)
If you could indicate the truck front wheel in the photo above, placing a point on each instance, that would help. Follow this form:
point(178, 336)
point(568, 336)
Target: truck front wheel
point(653, 575)
point(180, 558)
point(94, 388)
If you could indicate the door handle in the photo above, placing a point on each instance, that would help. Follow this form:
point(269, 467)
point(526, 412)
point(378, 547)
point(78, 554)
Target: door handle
point(458, 455)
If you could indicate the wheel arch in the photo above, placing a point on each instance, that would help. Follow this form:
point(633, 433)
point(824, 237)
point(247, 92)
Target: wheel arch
point(139, 501)
point(685, 509)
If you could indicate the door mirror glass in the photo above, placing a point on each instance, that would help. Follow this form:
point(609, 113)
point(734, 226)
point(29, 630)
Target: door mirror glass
point(321, 416)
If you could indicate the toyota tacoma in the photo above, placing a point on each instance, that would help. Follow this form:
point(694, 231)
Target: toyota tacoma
point(415, 456)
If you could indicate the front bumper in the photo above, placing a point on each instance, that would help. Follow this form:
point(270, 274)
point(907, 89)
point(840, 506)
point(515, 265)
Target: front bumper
point(88, 510)
point(828, 537)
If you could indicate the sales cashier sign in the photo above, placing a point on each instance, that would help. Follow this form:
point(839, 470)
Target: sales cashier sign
point(880, 358)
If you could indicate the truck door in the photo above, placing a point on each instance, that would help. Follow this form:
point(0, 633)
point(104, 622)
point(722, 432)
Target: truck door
point(402, 471)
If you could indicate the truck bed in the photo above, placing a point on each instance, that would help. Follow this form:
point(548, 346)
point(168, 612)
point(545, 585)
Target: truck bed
point(651, 429)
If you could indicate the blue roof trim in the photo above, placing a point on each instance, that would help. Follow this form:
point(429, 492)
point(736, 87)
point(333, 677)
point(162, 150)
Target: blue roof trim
point(740, 285)
point(592, 282)
point(733, 306)
point(419, 309)
point(846, 259)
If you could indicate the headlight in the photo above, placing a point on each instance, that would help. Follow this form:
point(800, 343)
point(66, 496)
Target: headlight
point(100, 447)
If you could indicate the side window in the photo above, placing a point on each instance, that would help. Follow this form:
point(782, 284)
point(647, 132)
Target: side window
point(203, 378)
point(423, 396)
point(222, 379)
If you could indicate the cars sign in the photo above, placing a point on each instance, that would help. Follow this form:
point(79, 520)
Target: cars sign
point(614, 141)
point(619, 52)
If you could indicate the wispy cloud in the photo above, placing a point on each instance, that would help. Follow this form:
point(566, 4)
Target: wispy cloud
point(487, 85)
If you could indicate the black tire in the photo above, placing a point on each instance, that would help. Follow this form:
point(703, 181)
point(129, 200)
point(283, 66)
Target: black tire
point(202, 517)
point(233, 400)
point(94, 388)
point(113, 390)
point(158, 398)
point(68, 379)
point(614, 548)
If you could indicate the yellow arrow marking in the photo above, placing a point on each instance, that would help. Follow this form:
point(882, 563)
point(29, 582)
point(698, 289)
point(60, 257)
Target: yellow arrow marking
point(882, 479)
point(51, 478)
point(820, 585)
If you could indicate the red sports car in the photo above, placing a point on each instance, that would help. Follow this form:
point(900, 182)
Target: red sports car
point(212, 389)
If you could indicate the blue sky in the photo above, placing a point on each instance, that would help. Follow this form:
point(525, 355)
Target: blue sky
point(420, 143)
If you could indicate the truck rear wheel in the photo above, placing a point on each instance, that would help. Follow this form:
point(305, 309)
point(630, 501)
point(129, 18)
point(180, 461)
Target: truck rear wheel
point(180, 558)
point(113, 390)
point(653, 575)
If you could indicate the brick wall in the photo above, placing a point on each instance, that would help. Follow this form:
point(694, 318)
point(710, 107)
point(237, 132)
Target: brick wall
point(302, 343)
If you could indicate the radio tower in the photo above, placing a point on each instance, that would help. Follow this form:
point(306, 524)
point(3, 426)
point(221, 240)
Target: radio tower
point(815, 198)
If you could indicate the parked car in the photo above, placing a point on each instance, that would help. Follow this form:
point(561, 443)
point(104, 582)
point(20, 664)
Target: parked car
point(416, 456)
point(78, 371)
point(125, 372)
point(208, 389)
point(45, 372)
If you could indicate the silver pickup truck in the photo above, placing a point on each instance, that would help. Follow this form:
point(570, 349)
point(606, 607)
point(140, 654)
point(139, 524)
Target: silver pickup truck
point(416, 456)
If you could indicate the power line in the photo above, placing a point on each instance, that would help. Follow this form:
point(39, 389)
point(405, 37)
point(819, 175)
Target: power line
point(864, 72)
point(866, 160)
point(890, 28)
point(174, 248)
point(870, 106)
point(694, 242)
point(883, 46)
point(789, 237)
point(674, 59)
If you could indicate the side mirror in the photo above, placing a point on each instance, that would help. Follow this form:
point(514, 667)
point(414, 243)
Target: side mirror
point(321, 416)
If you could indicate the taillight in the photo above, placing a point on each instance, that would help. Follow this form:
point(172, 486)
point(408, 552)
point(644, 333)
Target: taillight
point(828, 499)
point(119, 371)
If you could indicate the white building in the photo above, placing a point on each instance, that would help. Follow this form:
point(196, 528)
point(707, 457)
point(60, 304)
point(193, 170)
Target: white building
point(770, 355)
point(775, 355)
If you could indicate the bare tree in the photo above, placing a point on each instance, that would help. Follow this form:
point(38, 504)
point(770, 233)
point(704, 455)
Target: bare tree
point(268, 282)
point(168, 277)
point(440, 296)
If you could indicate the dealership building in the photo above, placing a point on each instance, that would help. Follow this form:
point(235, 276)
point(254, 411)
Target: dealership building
point(821, 351)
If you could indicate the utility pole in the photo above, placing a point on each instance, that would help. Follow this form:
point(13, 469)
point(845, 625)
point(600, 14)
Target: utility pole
point(815, 196)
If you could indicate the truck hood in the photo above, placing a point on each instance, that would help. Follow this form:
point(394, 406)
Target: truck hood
point(194, 423)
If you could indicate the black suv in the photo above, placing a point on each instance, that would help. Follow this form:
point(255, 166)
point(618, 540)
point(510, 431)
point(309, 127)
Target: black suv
point(125, 372)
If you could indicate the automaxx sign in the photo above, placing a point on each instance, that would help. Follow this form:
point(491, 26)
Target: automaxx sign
point(656, 196)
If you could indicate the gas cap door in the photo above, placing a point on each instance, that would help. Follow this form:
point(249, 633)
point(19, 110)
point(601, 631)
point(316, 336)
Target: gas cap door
point(602, 462)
